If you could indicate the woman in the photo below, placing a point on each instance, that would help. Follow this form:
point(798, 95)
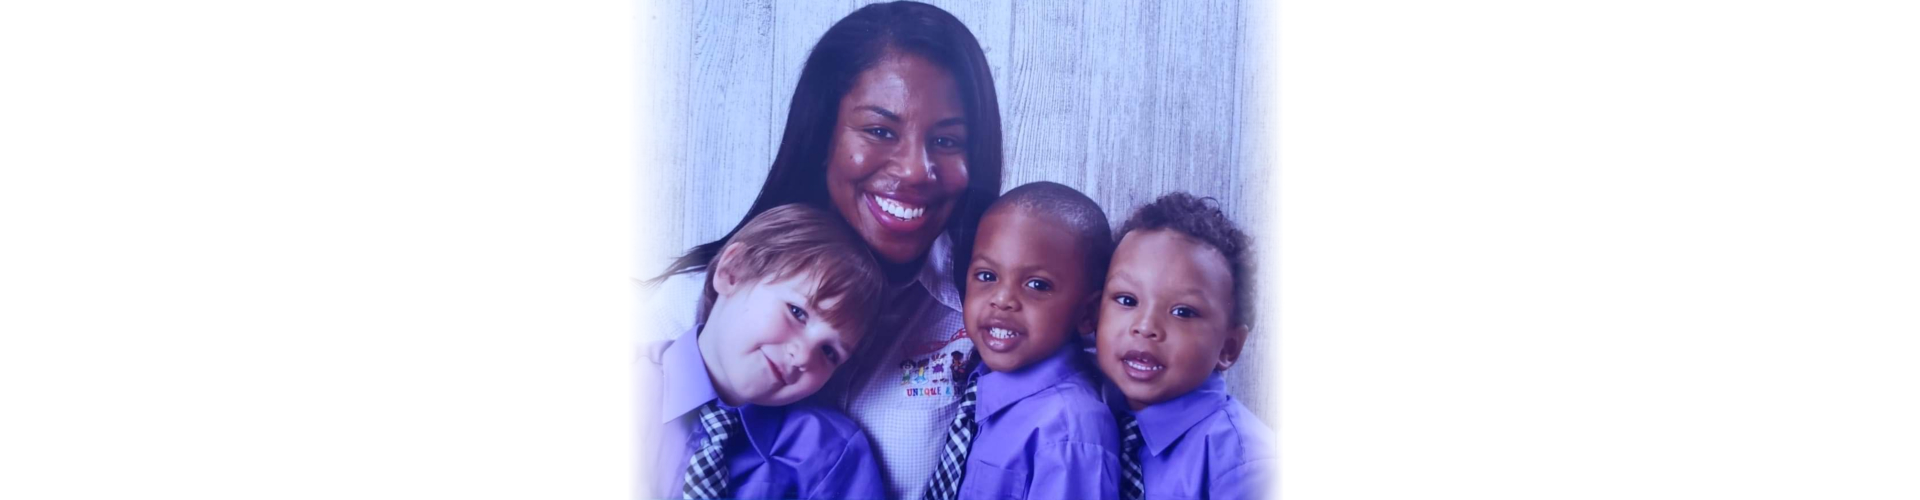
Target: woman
point(894, 125)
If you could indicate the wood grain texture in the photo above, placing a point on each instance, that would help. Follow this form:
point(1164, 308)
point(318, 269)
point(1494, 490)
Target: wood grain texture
point(1123, 100)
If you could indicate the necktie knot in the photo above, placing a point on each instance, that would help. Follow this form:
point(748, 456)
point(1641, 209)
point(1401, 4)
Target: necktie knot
point(953, 459)
point(1132, 484)
point(719, 423)
point(706, 475)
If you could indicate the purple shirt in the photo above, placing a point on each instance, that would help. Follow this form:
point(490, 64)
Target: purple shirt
point(1205, 445)
point(1043, 434)
point(800, 450)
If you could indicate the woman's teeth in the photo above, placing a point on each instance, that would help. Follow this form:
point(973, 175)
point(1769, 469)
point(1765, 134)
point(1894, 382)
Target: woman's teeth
point(1000, 333)
point(897, 209)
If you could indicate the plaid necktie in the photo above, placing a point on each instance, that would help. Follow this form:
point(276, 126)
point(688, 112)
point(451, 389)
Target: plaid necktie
point(1132, 487)
point(707, 471)
point(953, 461)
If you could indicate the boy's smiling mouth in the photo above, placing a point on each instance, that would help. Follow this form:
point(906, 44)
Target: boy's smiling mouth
point(1001, 336)
point(778, 375)
point(1141, 365)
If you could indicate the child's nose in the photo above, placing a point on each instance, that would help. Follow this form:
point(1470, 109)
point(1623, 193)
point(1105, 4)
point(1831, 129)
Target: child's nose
point(1146, 327)
point(798, 351)
point(1003, 300)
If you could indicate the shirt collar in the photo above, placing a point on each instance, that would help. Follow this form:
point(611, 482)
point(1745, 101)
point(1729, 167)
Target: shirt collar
point(936, 276)
point(689, 386)
point(1162, 424)
point(998, 390)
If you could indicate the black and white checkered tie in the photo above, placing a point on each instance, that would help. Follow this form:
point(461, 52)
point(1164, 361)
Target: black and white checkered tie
point(707, 471)
point(1132, 486)
point(953, 459)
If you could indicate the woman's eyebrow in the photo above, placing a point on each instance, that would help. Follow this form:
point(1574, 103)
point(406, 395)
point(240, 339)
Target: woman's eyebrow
point(883, 112)
point(958, 120)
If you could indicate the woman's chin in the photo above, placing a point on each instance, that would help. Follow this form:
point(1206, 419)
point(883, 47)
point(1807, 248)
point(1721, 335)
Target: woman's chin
point(900, 253)
point(898, 248)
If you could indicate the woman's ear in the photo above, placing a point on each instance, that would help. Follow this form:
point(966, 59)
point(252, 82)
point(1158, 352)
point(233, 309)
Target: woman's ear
point(1230, 351)
point(725, 267)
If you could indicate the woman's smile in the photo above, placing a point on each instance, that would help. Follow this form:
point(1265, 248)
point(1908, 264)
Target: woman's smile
point(895, 215)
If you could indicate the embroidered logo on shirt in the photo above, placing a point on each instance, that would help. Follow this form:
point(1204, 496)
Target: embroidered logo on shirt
point(929, 371)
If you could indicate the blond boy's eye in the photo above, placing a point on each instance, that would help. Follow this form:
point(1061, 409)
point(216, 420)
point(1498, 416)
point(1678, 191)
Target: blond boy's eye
point(984, 276)
point(1039, 284)
point(797, 312)
point(1125, 300)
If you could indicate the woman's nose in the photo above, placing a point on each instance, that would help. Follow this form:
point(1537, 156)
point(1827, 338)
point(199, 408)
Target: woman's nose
point(911, 163)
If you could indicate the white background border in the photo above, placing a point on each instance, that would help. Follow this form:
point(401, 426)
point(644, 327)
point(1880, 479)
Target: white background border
point(380, 249)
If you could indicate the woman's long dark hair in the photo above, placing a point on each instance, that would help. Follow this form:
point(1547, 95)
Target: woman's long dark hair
point(849, 48)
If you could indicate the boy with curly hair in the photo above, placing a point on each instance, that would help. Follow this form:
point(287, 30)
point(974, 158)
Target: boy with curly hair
point(1174, 314)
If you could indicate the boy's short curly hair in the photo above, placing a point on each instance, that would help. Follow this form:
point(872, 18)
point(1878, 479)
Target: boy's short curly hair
point(1201, 219)
point(1077, 212)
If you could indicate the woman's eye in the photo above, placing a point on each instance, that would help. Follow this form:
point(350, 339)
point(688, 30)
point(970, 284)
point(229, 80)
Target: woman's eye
point(1125, 300)
point(1186, 312)
point(1039, 284)
point(832, 355)
point(797, 312)
point(986, 276)
point(880, 132)
point(946, 143)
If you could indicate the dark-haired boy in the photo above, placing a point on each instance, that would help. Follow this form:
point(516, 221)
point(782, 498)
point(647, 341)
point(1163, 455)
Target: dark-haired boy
point(1031, 423)
point(1175, 313)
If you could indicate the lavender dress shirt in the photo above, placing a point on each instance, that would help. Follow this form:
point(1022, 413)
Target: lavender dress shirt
point(1044, 433)
point(802, 450)
point(1205, 445)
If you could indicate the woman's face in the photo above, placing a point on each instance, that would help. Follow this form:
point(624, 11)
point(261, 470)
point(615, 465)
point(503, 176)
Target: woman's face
point(898, 161)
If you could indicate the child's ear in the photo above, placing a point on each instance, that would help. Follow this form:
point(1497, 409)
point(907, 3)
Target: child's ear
point(1090, 312)
point(1230, 352)
point(724, 269)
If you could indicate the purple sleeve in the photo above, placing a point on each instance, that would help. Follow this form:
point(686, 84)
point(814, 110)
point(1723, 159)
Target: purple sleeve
point(855, 476)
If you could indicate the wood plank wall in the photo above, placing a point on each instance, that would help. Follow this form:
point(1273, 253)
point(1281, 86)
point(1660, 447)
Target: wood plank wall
point(1122, 100)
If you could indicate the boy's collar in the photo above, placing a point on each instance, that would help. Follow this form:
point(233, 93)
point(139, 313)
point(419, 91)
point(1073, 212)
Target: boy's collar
point(1013, 386)
point(685, 375)
point(1163, 423)
point(688, 387)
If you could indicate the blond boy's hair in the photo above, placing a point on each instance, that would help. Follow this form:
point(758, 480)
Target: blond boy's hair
point(786, 241)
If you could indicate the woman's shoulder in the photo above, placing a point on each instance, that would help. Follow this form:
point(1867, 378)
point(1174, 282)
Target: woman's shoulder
point(668, 307)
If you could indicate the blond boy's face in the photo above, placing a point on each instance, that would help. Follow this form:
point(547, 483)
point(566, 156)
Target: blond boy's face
point(764, 344)
point(1165, 316)
point(1027, 288)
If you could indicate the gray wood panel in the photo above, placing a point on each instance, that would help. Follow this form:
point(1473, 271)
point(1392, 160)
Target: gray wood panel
point(1123, 100)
